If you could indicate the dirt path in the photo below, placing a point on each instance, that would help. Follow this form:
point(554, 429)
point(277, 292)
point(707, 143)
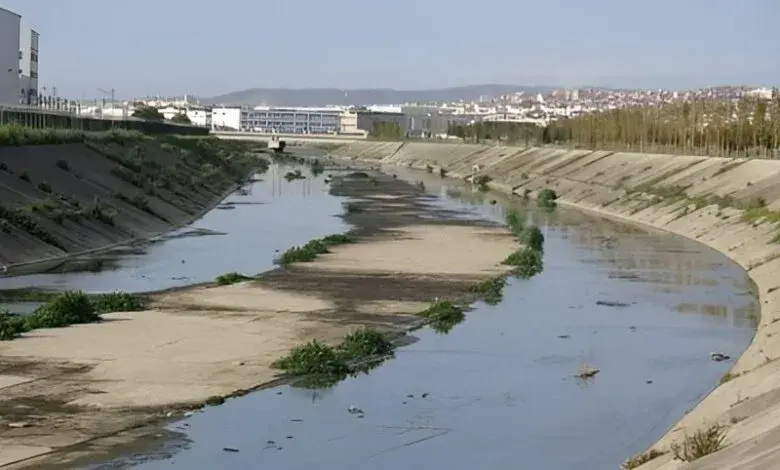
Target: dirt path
point(63, 387)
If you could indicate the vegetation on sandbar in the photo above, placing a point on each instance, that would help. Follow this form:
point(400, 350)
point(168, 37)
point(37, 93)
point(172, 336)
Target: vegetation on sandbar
point(231, 278)
point(312, 249)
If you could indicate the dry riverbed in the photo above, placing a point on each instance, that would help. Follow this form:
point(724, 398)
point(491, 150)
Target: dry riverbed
point(73, 391)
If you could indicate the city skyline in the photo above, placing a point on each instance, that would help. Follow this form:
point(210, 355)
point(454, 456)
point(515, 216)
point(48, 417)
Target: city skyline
point(174, 47)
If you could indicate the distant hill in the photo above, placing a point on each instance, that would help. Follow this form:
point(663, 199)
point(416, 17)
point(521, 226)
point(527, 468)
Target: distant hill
point(335, 96)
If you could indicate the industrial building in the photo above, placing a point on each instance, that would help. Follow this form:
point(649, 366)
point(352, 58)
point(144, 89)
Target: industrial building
point(10, 27)
point(290, 120)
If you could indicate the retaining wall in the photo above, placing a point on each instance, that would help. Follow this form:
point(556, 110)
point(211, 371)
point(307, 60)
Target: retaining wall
point(672, 193)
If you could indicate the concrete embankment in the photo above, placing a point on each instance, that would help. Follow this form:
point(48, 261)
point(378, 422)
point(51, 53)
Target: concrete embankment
point(727, 204)
point(62, 200)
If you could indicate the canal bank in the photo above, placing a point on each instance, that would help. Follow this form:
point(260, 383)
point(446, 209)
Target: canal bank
point(727, 204)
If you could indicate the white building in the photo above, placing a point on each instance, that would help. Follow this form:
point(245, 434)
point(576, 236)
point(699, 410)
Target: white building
point(28, 66)
point(197, 116)
point(226, 119)
point(10, 26)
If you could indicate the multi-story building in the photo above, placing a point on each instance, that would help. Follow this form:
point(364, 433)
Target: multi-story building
point(226, 119)
point(28, 66)
point(10, 26)
point(290, 120)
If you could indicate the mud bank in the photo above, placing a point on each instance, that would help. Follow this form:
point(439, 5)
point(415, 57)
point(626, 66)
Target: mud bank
point(728, 204)
point(62, 200)
point(72, 387)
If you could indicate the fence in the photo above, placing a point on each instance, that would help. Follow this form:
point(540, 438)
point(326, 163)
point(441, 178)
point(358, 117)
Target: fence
point(53, 119)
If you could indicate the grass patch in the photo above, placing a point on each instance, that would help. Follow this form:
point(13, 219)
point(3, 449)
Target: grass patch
point(641, 459)
point(231, 278)
point(482, 181)
point(310, 251)
point(443, 315)
point(27, 294)
point(63, 165)
point(294, 175)
point(490, 291)
point(317, 168)
point(728, 377)
point(526, 262)
point(364, 343)
point(312, 358)
point(25, 176)
point(546, 198)
point(19, 219)
point(727, 167)
point(45, 187)
point(702, 443)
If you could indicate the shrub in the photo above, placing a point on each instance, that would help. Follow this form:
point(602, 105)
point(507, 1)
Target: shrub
point(312, 358)
point(317, 168)
point(294, 175)
point(641, 459)
point(3, 166)
point(11, 326)
point(358, 174)
point(527, 262)
point(231, 278)
point(546, 198)
point(491, 290)
point(45, 187)
point(118, 302)
point(24, 176)
point(532, 237)
point(100, 212)
point(68, 308)
point(5, 226)
point(364, 343)
point(443, 315)
point(63, 165)
point(703, 442)
point(353, 208)
point(338, 239)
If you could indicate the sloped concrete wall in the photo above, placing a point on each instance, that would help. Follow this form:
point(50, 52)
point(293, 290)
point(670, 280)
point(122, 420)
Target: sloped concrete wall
point(675, 194)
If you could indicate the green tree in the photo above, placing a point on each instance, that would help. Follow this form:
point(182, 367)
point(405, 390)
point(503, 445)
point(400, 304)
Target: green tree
point(181, 118)
point(148, 113)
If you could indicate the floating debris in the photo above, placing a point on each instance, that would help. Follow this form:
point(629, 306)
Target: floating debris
point(718, 357)
point(355, 410)
point(610, 303)
point(230, 449)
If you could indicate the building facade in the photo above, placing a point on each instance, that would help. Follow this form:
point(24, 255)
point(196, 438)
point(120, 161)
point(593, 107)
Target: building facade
point(28, 66)
point(289, 120)
point(367, 120)
point(10, 27)
point(226, 119)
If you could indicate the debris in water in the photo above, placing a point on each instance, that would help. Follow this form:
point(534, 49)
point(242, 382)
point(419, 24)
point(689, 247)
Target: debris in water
point(296, 420)
point(649, 382)
point(270, 442)
point(229, 449)
point(564, 336)
point(610, 303)
point(586, 371)
point(425, 395)
point(289, 437)
point(632, 328)
point(355, 410)
point(410, 395)
point(278, 393)
point(718, 357)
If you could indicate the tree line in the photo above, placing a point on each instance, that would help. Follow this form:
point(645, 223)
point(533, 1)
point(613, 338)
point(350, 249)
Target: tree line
point(749, 127)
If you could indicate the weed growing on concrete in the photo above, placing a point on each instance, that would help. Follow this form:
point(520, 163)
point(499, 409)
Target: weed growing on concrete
point(3, 166)
point(546, 198)
point(118, 302)
point(310, 251)
point(443, 315)
point(490, 291)
point(317, 168)
point(99, 211)
point(728, 377)
point(482, 180)
point(526, 261)
point(641, 459)
point(703, 442)
point(45, 187)
point(63, 165)
point(358, 174)
point(5, 226)
point(353, 208)
point(68, 308)
point(21, 220)
point(533, 238)
point(25, 176)
point(231, 278)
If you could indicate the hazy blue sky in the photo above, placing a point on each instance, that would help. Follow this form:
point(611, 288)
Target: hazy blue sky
point(211, 47)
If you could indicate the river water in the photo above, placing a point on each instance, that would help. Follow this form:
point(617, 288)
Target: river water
point(498, 391)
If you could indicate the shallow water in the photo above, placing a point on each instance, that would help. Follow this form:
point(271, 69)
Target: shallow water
point(500, 387)
point(272, 215)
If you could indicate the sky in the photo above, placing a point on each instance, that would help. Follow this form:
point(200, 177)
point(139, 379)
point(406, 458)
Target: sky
point(206, 48)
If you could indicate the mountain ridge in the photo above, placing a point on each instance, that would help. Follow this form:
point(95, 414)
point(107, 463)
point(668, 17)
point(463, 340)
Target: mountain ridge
point(365, 96)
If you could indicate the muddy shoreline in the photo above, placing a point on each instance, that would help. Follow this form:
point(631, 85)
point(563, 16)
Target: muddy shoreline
point(90, 403)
